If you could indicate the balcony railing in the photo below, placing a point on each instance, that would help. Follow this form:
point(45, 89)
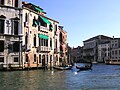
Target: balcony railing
point(44, 28)
point(43, 48)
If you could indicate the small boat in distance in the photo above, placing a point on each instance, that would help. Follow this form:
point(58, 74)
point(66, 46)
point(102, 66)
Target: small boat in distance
point(62, 67)
point(86, 67)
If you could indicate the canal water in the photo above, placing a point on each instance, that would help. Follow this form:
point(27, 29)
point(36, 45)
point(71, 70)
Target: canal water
point(101, 77)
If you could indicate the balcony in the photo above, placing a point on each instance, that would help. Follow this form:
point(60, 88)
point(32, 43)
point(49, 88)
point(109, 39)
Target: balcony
point(42, 28)
point(43, 49)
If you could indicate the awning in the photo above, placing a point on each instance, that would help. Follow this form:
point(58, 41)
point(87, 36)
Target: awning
point(43, 36)
point(45, 20)
point(38, 9)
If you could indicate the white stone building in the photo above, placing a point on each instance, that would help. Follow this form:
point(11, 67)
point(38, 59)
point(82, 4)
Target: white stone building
point(10, 33)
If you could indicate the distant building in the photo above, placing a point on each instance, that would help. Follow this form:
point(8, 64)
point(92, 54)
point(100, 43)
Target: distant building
point(90, 48)
point(115, 51)
point(77, 54)
point(69, 52)
point(103, 52)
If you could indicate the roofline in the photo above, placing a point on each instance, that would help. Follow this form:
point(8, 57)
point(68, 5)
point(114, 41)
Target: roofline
point(39, 14)
point(95, 37)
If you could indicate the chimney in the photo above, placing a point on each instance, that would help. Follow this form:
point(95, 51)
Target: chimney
point(113, 37)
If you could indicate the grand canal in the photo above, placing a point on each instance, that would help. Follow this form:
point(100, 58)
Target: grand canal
point(102, 77)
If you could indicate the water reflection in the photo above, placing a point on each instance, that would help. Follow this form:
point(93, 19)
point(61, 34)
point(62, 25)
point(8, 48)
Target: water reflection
point(102, 77)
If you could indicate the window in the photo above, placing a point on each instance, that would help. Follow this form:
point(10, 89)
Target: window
point(1, 26)
point(15, 27)
point(26, 40)
point(115, 45)
point(1, 59)
point(55, 27)
point(35, 23)
point(50, 42)
point(26, 57)
point(50, 58)
point(34, 40)
point(50, 27)
point(39, 41)
point(46, 42)
point(47, 59)
point(26, 18)
point(2, 2)
point(42, 42)
point(60, 37)
point(39, 58)
point(16, 47)
point(112, 45)
point(115, 52)
point(112, 52)
point(15, 59)
point(34, 57)
point(42, 23)
point(1, 46)
point(16, 3)
point(56, 43)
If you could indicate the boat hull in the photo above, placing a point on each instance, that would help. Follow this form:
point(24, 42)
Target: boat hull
point(62, 68)
point(83, 68)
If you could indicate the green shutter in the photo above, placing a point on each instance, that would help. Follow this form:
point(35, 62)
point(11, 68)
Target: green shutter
point(45, 20)
point(43, 36)
point(35, 22)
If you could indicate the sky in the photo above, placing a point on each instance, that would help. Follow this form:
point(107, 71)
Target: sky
point(83, 19)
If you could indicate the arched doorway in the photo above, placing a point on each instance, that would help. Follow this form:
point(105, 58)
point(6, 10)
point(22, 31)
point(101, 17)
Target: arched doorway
point(43, 60)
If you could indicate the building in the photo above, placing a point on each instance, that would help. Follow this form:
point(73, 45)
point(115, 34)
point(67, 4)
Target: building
point(56, 46)
point(104, 52)
point(39, 37)
point(90, 48)
point(76, 54)
point(63, 46)
point(10, 34)
point(69, 55)
point(115, 51)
